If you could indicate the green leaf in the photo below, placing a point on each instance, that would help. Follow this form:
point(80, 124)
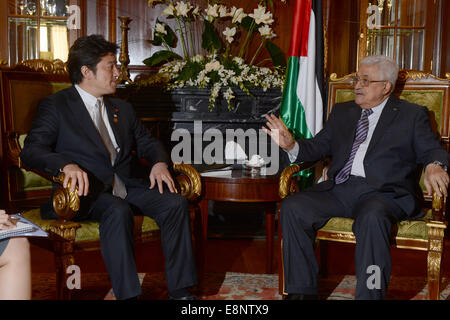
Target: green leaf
point(248, 23)
point(276, 55)
point(170, 38)
point(160, 57)
point(210, 39)
point(156, 42)
point(190, 71)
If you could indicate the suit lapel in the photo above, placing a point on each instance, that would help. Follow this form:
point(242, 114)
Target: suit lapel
point(389, 113)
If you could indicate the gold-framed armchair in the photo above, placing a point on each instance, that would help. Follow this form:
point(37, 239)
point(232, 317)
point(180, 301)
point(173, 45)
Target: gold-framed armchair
point(24, 190)
point(426, 234)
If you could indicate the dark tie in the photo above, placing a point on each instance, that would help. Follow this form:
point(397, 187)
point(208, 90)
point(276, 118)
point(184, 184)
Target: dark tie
point(119, 189)
point(362, 128)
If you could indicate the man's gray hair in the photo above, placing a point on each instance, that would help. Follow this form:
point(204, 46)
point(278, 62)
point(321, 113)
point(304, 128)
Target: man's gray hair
point(388, 68)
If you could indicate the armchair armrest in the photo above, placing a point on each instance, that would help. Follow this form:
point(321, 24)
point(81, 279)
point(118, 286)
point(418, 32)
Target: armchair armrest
point(189, 181)
point(65, 202)
point(288, 185)
point(438, 210)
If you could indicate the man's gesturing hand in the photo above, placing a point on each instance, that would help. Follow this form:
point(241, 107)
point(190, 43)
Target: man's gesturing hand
point(279, 133)
point(435, 178)
point(160, 173)
point(78, 177)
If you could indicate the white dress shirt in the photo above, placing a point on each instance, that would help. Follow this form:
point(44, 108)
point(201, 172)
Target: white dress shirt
point(358, 162)
point(90, 103)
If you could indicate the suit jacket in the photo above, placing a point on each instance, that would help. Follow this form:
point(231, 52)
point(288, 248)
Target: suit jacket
point(63, 132)
point(402, 144)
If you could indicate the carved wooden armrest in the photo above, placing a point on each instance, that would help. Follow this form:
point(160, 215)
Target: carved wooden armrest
point(288, 185)
point(438, 212)
point(65, 202)
point(188, 180)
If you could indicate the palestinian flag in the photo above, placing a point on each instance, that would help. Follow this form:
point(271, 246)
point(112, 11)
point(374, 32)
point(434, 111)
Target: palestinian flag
point(302, 106)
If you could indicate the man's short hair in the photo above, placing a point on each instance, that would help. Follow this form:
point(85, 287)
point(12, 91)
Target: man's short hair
point(88, 51)
point(387, 67)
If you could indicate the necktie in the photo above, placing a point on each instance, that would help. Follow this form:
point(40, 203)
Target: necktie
point(362, 128)
point(119, 188)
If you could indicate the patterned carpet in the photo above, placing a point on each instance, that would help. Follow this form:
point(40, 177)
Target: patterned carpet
point(233, 286)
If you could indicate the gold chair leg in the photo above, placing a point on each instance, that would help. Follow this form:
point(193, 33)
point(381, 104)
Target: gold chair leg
point(435, 249)
point(63, 236)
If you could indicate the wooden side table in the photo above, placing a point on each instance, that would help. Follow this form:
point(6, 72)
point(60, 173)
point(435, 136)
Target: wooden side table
point(241, 188)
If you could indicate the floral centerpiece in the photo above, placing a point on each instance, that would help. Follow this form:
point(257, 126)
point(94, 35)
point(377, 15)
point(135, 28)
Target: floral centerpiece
point(222, 62)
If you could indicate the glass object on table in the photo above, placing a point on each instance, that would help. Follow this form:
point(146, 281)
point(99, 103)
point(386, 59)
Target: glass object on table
point(44, 7)
point(51, 7)
point(21, 7)
point(30, 7)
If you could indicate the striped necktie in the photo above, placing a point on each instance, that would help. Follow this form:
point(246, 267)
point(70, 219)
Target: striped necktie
point(119, 189)
point(362, 129)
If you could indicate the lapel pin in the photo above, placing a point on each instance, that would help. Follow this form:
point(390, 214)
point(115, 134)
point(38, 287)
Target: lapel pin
point(115, 115)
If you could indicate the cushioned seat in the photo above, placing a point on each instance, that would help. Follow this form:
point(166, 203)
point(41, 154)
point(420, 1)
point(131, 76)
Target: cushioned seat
point(89, 230)
point(411, 229)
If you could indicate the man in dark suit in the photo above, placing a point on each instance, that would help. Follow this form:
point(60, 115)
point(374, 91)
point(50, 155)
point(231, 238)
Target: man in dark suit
point(90, 136)
point(378, 145)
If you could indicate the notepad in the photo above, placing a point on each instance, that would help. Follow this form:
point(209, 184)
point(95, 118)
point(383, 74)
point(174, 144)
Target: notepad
point(23, 228)
point(18, 230)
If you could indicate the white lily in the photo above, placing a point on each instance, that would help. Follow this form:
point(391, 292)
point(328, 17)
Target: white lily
point(266, 32)
point(222, 11)
point(212, 11)
point(183, 8)
point(212, 66)
point(169, 11)
point(237, 15)
point(229, 34)
point(261, 16)
point(160, 28)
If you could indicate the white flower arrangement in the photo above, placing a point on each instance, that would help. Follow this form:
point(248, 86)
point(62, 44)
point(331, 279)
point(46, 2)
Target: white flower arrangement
point(221, 65)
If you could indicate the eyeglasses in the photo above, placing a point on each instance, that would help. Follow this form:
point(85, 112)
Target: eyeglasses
point(364, 82)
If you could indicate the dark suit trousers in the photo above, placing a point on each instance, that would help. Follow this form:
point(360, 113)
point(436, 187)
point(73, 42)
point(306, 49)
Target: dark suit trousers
point(303, 213)
point(171, 213)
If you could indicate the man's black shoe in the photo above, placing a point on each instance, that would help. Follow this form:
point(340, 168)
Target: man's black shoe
point(297, 296)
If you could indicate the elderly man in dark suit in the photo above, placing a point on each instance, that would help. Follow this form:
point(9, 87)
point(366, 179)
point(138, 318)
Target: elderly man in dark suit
point(378, 145)
point(90, 137)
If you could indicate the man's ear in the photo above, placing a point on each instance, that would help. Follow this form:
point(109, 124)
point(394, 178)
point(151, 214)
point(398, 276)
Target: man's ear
point(389, 88)
point(86, 72)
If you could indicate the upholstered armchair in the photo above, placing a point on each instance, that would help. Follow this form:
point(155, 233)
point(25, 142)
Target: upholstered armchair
point(426, 234)
point(25, 190)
